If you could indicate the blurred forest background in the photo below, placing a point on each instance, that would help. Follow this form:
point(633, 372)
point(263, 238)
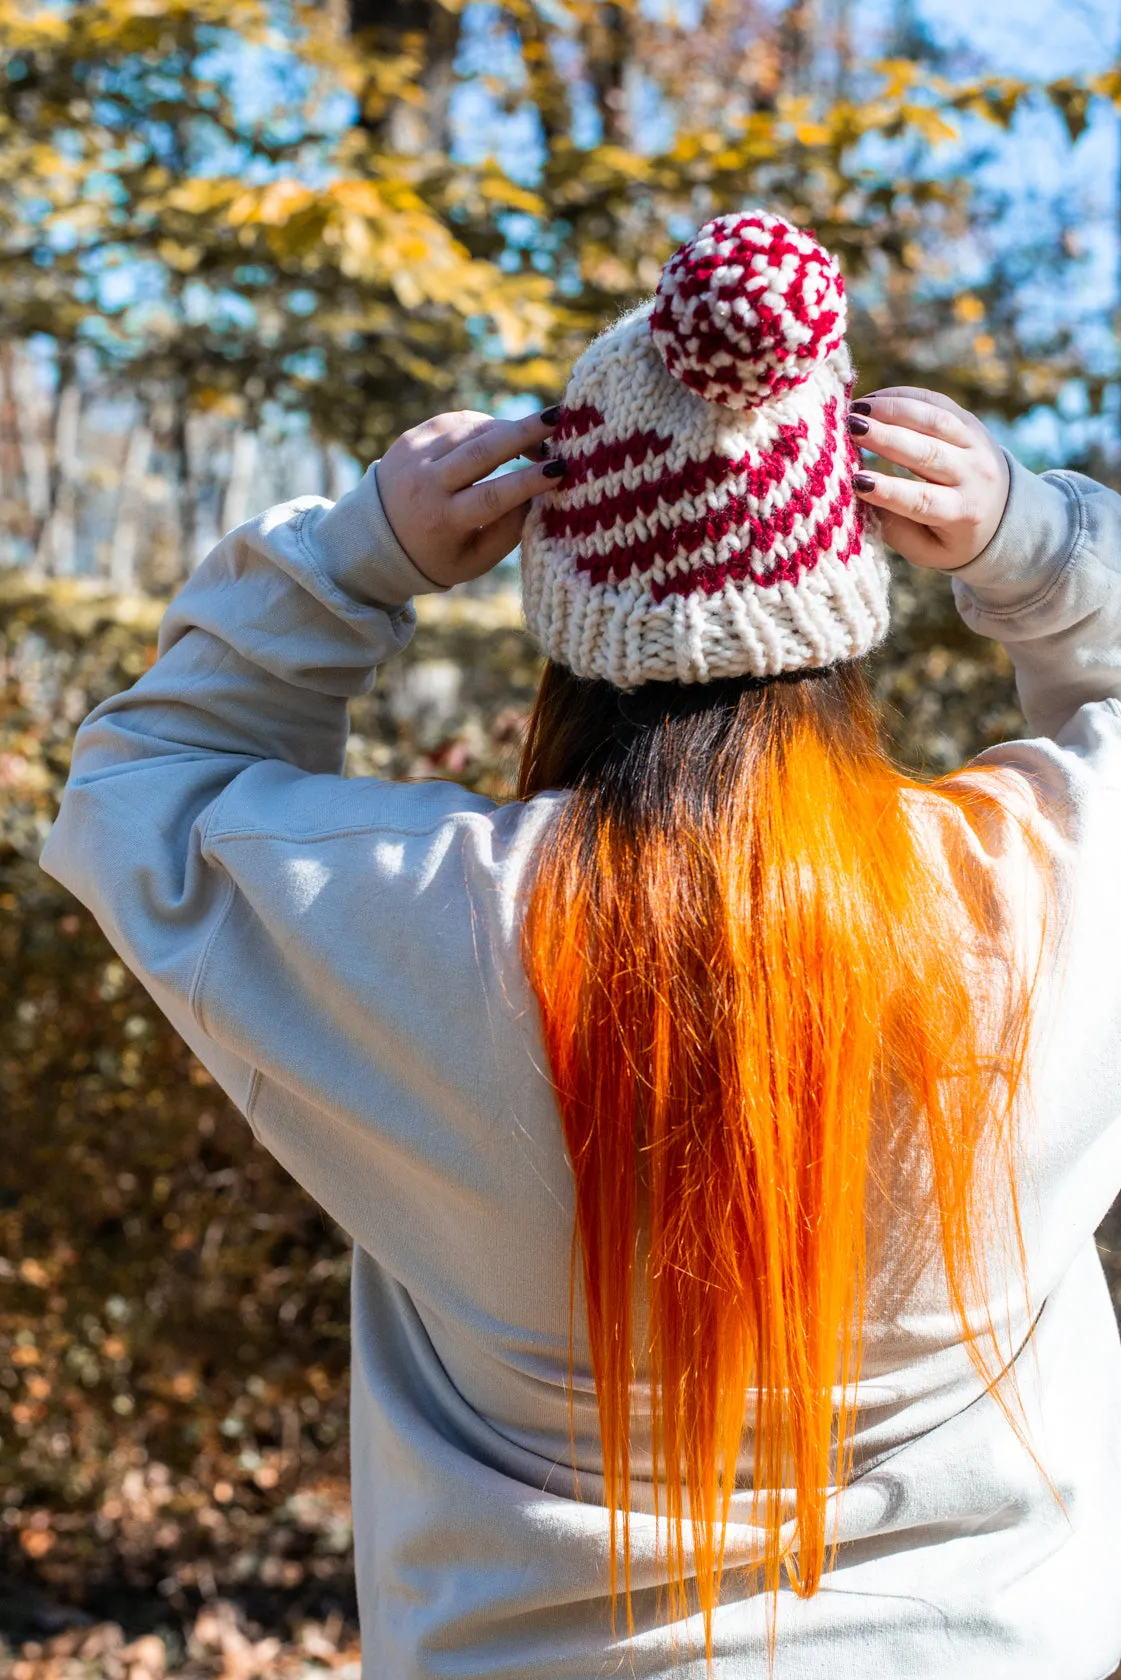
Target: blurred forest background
point(242, 244)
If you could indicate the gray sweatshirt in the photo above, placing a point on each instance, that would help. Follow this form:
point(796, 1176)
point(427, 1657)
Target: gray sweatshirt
point(342, 954)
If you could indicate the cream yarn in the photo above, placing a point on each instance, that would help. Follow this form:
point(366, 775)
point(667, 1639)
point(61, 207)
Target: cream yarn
point(707, 525)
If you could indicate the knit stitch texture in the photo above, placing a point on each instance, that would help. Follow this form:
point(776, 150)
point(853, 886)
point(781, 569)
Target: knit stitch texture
point(707, 525)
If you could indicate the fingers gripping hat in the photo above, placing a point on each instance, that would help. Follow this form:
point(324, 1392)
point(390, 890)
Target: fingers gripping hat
point(707, 525)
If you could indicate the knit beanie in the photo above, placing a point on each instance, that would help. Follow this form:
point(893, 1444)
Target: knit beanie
point(707, 525)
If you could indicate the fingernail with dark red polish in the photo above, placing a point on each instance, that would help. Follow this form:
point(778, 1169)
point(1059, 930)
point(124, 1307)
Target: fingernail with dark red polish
point(555, 469)
point(858, 425)
point(550, 416)
point(860, 407)
point(864, 481)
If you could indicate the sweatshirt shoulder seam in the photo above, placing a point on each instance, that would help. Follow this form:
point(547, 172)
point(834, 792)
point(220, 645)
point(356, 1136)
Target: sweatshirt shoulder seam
point(342, 831)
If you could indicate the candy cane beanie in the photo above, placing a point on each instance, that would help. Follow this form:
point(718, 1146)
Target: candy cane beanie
point(707, 525)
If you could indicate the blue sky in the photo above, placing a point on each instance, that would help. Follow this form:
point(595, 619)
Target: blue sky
point(1046, 39)
point(1042, 38)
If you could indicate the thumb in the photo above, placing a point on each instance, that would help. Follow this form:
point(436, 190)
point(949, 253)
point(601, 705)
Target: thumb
point(492, 543)
point(916, 543)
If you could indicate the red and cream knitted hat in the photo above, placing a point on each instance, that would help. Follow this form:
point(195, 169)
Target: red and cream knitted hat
point(707, 525)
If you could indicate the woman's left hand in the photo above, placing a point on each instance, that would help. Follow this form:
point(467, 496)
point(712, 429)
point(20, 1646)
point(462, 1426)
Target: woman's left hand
point(452, 526)
point(949, 512)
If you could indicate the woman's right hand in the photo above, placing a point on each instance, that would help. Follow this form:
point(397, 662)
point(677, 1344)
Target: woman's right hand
point(945, 516)
point(452, 519)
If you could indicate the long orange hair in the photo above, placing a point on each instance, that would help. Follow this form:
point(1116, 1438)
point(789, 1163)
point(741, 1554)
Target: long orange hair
point(744, 952)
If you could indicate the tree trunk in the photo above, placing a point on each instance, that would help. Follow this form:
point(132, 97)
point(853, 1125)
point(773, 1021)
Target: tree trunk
point(438, 79)
point(332, 485)
point(408, 128)
point(842, 45)
point(797, 33)
point(186, 490)
point(608, 46)
point(130, 511)
point(30, 462)
point(237, 501)
point(56, 553)
point(402, 16)
point(11, 454)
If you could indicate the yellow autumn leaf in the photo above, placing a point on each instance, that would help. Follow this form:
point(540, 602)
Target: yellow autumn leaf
point(412, 249)
point(408, 292)
point(900, 74)
point(685, 148)
point(1107, 86)
point(603, 268)
point(997, 99)
point(182, 258)
point(537, 373)
point(212, 401)
point(271, 205)
point(200, 196)
point(358, 254)
point(362, 198)
point(969, 308)
point(617, 160)
point(48, 160)
point(498, 190)
point(23, 33)
point(927, 121)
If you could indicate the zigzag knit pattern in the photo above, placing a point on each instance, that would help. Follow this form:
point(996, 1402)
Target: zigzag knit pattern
point(707, 524)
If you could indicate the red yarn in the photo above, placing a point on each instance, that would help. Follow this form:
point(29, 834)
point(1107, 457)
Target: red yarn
point(615, 455)
point(747, 308)
point(684, 539)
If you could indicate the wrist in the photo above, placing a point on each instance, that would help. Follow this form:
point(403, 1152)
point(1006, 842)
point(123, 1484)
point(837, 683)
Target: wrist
point(1030, 546)
point(368, 560)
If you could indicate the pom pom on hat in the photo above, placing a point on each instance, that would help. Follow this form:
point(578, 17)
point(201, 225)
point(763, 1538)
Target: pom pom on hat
point(747, 308)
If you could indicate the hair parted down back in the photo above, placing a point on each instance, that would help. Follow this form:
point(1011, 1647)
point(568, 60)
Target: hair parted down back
point(744, 955)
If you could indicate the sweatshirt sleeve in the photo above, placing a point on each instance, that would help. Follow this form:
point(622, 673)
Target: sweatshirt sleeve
point(258, 656)
point(1048, 587)
point(338, 951)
